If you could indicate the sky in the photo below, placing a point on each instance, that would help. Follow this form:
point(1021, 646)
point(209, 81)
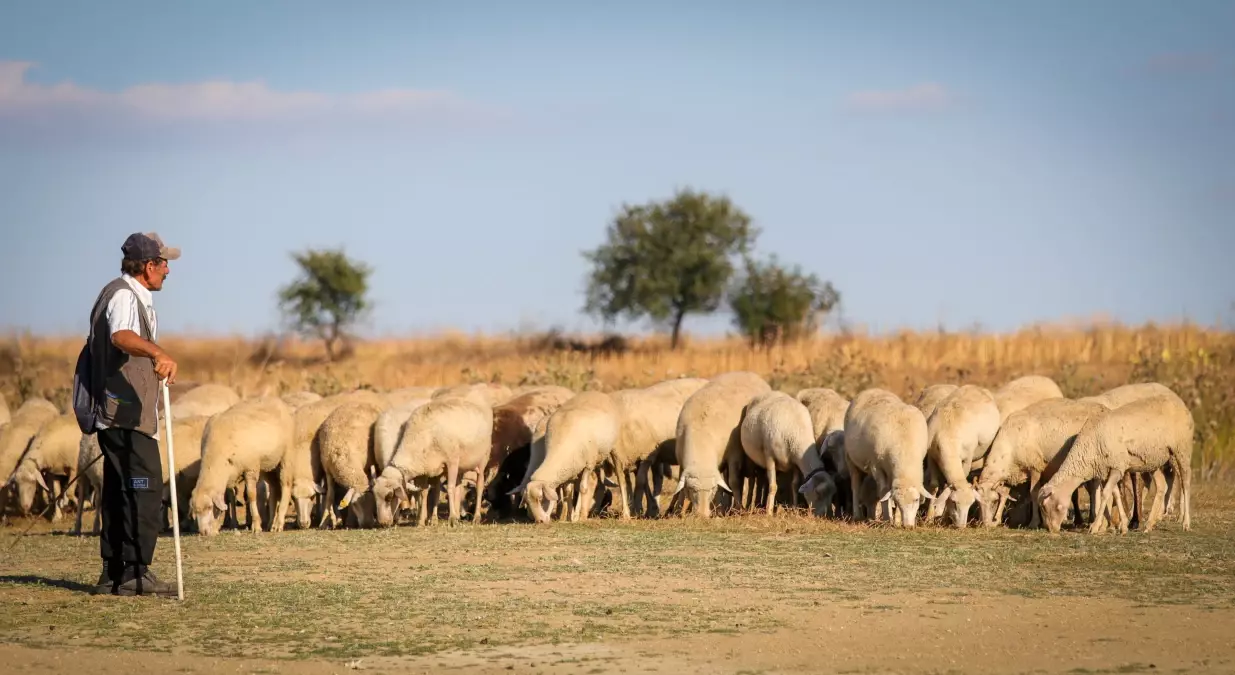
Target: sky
point(953, 164)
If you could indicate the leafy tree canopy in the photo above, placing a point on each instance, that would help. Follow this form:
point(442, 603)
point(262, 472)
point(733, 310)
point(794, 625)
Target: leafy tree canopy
point(327, 298)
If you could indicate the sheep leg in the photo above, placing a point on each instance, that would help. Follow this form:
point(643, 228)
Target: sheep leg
point(642, 490)
point(770, 505)
point(1035, 519)
point(620, 474)
point(328, 505)
point(1119, 509)
point(1133, 479)
point(285, 499)
point(480, 492)
point(452, 493)
point(795, 481)
point(252, 508)
point(855, 483)
point(1159, 504)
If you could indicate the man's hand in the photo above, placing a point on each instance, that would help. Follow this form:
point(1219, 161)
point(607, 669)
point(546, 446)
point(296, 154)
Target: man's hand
point(165, 367)
point(134, 345)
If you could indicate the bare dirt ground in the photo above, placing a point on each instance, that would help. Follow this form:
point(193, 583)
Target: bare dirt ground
point(744, 594)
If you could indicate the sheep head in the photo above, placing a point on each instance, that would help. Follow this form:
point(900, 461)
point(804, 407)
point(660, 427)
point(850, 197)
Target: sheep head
point(540, 500)
point(959, 503)
point(207, 511)
point(29, 480)
point(819, 490)
point(989, 498)
point(1054, 506)
point(389, 491)
point(907, 499)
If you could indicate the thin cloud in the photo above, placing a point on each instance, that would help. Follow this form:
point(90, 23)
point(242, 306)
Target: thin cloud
point(919, 97)
point(215, 101)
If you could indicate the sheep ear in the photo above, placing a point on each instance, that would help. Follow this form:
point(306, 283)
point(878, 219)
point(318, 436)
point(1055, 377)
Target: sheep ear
point(38, 476)
point(219, 503)
point(681, 484)
point(804, 489)
point(318, 488)
point(609, 482)
point(723, 485)
point(517, 491)
point(925, 495)
point(886, 496)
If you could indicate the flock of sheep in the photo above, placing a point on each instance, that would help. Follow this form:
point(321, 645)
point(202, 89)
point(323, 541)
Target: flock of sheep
point(730, 442)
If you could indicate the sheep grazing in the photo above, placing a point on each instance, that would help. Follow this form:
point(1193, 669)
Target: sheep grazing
point(89, 480)
point(187, 435)
point(707, 436)
point(206, 399)
point(647, 423)
point(777, 435)
point(1143, 436)
point(827, 414)
point(247, 442)
point(1023, 392)
point(1026, 449)
point(514, 424)
point(579, 437)
point(932, 396)
point(15, 438)
point(52, 454)
point(959, 431)
point(304, 466)
point(450, 435)
point(345, 444)
point(886, 439)
point(297, 399)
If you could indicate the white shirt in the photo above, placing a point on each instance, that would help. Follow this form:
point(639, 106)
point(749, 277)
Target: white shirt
point(122, 314)
point(122, 310)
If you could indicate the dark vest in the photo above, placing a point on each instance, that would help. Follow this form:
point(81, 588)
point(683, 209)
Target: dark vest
point(128, 388)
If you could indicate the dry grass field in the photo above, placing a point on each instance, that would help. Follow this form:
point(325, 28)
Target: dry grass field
point(744, 593)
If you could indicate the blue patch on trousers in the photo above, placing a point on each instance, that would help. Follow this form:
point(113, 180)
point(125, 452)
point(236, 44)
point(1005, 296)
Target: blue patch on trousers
point(140, 483)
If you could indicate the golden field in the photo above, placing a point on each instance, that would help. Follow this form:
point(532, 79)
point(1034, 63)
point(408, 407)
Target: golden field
point(1197, 362)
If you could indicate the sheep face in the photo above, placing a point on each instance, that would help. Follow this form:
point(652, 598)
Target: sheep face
point(304, 497)
point(29, 481)
point(207, 512)
point(1054, 508)
point(959, 503)
point(907, 500)
point(988, 505)
point(388, 493)
point(540, 500)
point(819, 491)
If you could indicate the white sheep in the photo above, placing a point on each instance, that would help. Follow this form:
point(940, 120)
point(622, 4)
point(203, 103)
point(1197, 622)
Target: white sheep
point(932, 396)
point(15, 439)
point(1142, 436)
point(345, 445)
point(827, 414)
point(647, 423)
point(777, 434)
point(959, 432)
point(886, 439)
point(1023, 392)
point(90, 480)
point(247, 442)
point(5, 415)
point(449, 435)
point(296, 399)
point(707, 437)
point(579, 437)
point(205, 399)
point(398, 397)
point(52, 451)
point(1029, 446)
point(304, 467)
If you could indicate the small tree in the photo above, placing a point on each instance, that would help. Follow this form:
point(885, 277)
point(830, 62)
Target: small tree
point(669, 259)
point(773, 304)
point(327, 298)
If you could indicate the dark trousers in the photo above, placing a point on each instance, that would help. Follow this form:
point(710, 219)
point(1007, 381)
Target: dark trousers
point(132, 498)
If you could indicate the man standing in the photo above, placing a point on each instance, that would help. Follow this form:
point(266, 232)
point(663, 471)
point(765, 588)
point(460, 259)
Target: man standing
point(127, 367)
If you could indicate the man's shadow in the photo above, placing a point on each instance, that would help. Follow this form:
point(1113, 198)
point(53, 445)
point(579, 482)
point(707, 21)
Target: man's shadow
point(31, 580)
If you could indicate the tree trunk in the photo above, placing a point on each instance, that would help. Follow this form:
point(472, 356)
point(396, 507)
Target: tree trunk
point(677, 329)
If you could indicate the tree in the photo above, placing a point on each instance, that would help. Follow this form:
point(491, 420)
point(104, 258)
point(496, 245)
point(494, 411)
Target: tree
point(668, 259)
point(771, 303)
point(327, 298)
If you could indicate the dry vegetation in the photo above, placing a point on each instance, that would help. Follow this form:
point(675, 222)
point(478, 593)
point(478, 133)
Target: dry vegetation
point(1198, 363)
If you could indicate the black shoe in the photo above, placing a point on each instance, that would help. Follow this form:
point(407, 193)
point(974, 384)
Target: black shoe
point(106, 585)
point(146, 584)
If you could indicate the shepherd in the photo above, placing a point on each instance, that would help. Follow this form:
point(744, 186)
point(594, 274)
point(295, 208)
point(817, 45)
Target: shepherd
point(125, 367)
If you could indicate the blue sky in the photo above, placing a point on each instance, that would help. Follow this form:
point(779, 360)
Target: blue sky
point(941, 163)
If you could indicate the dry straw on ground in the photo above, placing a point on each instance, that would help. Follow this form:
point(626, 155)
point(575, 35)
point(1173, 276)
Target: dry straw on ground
point(1197, 362)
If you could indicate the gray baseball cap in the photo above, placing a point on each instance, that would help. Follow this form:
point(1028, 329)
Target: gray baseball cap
point(147, 246)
